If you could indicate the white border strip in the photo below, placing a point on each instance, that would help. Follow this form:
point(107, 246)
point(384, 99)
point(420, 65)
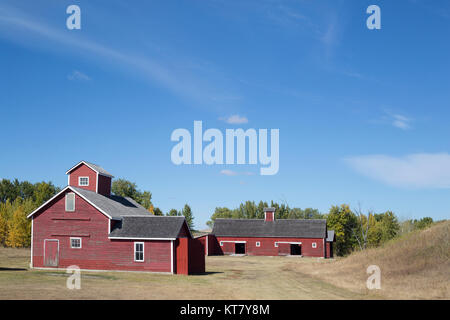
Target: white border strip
point(172, 245)
point(233, 241)
point(288, 242)
point(31, 262)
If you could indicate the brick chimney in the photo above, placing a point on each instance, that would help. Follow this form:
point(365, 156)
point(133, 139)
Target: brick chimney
point(89, 176)
point(269, 214)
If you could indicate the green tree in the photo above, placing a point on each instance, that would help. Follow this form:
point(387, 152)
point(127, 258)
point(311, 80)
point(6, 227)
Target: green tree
point(389, 226)
point(157, 212)
point(343, 221)
point(422, 223)
point(187, 213)
point(43, 191)
point(173, 212)
point(248, 210)
point(310, 213)
point(9, 190)
point(125, 188)
point(220, 213)
point(260, 209)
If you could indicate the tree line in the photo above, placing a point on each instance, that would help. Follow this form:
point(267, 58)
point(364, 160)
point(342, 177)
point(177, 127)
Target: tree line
point(19, 198)
point(354, 229)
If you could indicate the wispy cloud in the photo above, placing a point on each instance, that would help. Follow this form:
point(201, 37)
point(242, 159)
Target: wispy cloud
point(421, 170)
point(401, 122)
point(78, 75)
point(393, 118)
point(18, 26)
point(227, 172)
point(234, 119)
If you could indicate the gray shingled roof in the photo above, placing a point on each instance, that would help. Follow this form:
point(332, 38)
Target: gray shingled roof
point(115, 206)
point(98, 168)
point(330, 235)
point(148, 227)
point(301, 228)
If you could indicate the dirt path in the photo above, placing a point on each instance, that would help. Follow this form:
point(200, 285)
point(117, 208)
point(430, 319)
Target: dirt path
point(226, 278)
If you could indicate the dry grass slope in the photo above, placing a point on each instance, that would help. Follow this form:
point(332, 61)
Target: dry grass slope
point(416, 266)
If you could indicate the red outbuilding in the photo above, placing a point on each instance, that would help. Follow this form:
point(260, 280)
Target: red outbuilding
point(87, 226)
point(270, 237)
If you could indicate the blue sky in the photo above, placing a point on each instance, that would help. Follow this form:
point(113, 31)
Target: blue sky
point(363, 114)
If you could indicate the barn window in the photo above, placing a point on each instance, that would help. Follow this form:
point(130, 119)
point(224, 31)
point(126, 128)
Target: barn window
point(70, 202)
point(75, 243)
point(258, 244)
point(314, 245)
point(83, 181)
point(139, 251)
point(276, 244)
point(221, 243)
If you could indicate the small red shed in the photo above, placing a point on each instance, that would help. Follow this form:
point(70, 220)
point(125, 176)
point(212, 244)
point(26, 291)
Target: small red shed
point(85, 225)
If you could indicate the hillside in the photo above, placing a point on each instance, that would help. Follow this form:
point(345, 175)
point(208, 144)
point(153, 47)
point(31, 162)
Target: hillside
point(415, 266)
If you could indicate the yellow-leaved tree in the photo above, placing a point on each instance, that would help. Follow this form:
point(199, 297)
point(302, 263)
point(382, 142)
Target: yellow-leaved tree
point(3, 229)
point(19, 227)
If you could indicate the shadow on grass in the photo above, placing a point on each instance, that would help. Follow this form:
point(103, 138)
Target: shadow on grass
point(12, 269)
point(204, 273)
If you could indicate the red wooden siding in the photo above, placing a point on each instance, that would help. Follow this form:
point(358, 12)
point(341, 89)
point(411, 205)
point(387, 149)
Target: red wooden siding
point(184, 232)
point(83, 171)
point(329, 247)
point(104, 185)
point(208, 244)
point(267, 246)
point(97, 251)
point(182, 256)
point(269, 215)
point(196, 256)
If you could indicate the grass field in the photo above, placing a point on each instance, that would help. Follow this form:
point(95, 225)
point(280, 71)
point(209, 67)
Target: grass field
point(226, 278)
point(416, 266)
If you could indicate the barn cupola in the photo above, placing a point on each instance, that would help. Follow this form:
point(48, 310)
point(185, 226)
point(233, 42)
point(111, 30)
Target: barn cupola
point(91, 177)
point(269, 214)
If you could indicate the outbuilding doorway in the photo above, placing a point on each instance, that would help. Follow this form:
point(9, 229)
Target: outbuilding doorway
point(51, 252)
point(296, 249)
point(239, 248)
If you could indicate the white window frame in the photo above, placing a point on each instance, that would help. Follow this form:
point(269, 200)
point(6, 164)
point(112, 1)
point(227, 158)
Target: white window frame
point(314, 245)
point(83, 185)
point(258, 244)
point(276, 244)
point(81, 243)
point(74, 197)
point(221, 243)
point(134, 257)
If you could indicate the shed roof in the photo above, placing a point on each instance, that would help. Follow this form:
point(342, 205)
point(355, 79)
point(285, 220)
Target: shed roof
point(295, 228)
point(148, 227)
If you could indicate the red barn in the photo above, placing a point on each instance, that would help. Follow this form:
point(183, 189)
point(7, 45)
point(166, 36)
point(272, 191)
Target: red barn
point(270, 237)
point(85, 225)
